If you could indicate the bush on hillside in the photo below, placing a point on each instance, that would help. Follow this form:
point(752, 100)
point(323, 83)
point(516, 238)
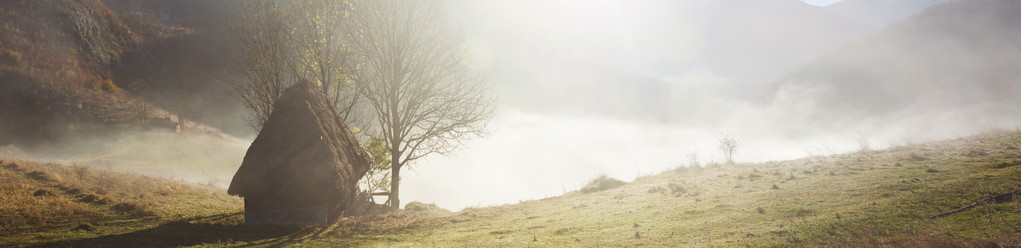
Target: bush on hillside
point(601, 183)
point(108, 86)
point(424, 208)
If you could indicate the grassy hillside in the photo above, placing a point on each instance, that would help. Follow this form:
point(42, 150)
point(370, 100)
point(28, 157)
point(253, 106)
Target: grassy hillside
point(53, 202)
point(869, 198)
point(878, 198)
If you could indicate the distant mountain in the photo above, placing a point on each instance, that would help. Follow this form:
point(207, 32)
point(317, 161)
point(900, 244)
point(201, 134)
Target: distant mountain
point(880, 13)
point(734, 47)
point(765, 38)
point(79, 66)
point(958, 61)
point(747, 43)
point(55, 58)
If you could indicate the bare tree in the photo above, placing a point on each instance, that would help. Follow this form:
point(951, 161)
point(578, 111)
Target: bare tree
point(185, 107)
point(143, 111)
point(863, 143)
point(80, 170)
point(728, 145)
point(260, 67)
point(425, 99)
point(693, 160)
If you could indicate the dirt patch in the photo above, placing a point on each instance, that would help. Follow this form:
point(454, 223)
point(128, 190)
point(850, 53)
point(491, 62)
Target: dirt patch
point(1006, 164)
point(43, 192)
point(43, 176)
point(15, 166)
point(85, 227)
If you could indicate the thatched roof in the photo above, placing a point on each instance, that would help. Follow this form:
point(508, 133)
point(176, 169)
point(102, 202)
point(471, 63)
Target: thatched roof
point(304, 151)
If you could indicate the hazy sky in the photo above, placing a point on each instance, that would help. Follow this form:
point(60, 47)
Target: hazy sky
point(821, 2)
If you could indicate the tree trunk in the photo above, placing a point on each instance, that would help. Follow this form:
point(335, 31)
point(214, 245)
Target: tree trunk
point(395, 182)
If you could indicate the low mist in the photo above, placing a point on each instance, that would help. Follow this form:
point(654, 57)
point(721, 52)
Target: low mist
point(191, 156)
point(632, 89)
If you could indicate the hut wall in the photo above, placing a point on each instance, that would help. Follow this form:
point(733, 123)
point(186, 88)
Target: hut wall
point(268, 211)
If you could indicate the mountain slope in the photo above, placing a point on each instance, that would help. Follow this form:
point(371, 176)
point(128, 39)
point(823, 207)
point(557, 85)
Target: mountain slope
point(53, 202)
point(880, 13)
point(623, 58)
point(55, 60)
point(81, 67)
point(957, 64)
point(765, 38)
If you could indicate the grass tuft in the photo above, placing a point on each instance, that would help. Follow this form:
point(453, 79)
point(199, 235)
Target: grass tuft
point(601, 183)
point(425, 208)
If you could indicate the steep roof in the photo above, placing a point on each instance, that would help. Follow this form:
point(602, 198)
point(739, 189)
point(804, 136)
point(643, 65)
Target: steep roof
point(304, 151)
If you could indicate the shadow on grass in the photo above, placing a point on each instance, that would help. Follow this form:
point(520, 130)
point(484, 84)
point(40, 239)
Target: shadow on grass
point(223, 229)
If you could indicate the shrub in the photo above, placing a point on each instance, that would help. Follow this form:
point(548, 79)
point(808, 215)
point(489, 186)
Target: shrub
point(80, 171)
point(677, 189)
point(974, 152)
point(43, 192)
point(601, 183)
point(43, 176)
point(89, 198)
point(85, 227)
point(424, 208)
point(108, 86)
point(15, 166)
point(656, 189)
point(132, 208)
point(916, 157)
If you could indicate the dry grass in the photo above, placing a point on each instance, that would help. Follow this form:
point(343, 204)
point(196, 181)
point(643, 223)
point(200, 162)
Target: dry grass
point(42, 201)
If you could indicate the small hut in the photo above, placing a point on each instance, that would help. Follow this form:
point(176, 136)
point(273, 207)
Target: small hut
point(304, 166)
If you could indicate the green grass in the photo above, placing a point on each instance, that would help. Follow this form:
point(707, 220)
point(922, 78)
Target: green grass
point(879, 198)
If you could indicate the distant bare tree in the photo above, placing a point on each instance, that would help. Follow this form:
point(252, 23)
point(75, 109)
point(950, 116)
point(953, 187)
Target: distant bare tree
point(80, 170)
point(260, 70)
point(184, 106)
point(425, 100)
point(142, 110)
point(693, 160)
point(863, 143)
point(728, 145)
